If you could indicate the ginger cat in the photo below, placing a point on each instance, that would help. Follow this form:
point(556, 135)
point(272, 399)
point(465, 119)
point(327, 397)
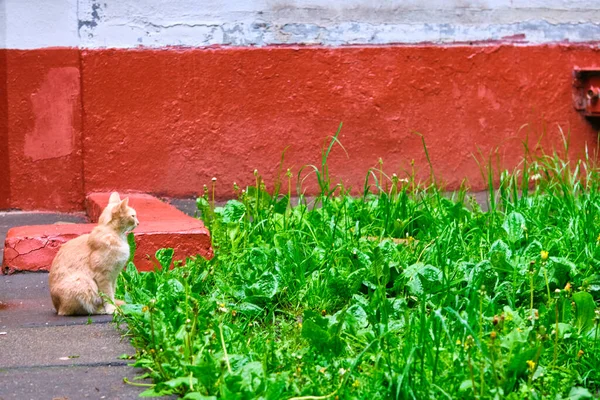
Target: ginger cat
point(88, 266)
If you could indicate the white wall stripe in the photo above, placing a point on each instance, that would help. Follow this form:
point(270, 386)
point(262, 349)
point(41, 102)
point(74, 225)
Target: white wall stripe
point(157, 23)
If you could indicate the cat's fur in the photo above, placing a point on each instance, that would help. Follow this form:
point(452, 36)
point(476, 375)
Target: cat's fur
point(87, 267)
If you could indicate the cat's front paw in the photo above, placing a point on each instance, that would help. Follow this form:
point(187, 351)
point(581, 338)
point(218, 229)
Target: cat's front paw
point(109, 309)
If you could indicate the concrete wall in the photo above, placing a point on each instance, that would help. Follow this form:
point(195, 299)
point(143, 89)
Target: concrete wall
point(162, 96)
point(156, 23)
point(343, 22)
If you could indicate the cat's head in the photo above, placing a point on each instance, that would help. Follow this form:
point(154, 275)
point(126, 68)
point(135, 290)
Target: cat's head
point(118, 214)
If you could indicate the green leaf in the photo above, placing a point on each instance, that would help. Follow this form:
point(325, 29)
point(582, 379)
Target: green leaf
point(518, 363)
point(132, 247)
point(132, 310)
point(430, 277)
point(202, 203)
point(276, 385)
point(515, 227)
point(585, 308)
point(263, 197)
point(500, 255)
point(466, 385)
point(249, 310)
point(172, 287)
point(156, 392)
point(281, 205)
point(207, 370)
point(265, 287)
point(560, 271)
point(164, 257)
point(258, 258)
point(314, 329)
point(515, 339)
point(198, 396)
point(185, 381)
point(422, 278)
point(356, 318)
point(578, 393)
point(484, 274)
point(233, 212)
point(252, 374)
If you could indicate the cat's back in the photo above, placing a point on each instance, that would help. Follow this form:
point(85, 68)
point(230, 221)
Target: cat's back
point(72, 255)
point(73, 247)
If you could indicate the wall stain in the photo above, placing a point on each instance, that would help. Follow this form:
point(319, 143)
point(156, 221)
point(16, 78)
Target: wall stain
point(93, 22)
point(53, 105)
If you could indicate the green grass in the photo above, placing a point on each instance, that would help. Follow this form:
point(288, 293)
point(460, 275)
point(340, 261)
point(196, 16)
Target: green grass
point(401, 293)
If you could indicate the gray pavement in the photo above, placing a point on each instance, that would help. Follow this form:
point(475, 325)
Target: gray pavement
point(45, 356)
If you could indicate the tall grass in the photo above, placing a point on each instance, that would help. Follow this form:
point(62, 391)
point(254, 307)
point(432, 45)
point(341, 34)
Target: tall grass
point(403, 292)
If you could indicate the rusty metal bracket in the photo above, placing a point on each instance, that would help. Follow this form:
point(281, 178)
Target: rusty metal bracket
point(586, 91)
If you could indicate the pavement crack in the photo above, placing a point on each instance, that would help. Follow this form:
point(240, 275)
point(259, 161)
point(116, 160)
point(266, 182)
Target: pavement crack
point(117, 363)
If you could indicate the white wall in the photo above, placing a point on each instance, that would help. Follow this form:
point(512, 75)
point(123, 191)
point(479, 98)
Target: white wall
point(31, 24)
point(155, 23)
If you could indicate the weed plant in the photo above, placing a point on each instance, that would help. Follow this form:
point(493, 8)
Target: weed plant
point(401, 293)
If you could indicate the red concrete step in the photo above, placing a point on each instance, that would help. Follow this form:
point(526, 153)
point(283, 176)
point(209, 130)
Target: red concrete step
point(32, 248)
point(152, 208)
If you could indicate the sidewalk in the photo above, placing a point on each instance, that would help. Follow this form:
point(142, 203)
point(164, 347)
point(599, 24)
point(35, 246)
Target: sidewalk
point(44, 356)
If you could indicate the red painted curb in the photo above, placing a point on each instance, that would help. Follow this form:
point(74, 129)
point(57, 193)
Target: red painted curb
point(32, 248)
point(152, 208)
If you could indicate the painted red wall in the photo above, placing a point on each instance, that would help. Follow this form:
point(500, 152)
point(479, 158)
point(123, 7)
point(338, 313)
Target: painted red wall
point(44, 129)
point(4, 161)
point(166, 121)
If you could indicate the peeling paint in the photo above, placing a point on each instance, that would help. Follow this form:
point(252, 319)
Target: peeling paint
point(95, 18)
point(154, 23)
point(346, 33)
point(263, 23)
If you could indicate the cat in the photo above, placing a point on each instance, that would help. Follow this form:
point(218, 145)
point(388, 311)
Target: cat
point(87, 267)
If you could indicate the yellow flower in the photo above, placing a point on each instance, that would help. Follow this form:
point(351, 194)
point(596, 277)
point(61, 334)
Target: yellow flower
point(530, 365)
point(544, 255)
point(568, 287)
point(356, 384)
point(580, 354)
point(598, 238)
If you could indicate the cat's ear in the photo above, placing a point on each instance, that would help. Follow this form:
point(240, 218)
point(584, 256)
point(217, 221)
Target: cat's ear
point(124, 203)
point(114, 198)
point(121, 206)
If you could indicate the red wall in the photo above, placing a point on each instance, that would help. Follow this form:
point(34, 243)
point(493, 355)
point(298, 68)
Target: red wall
point(4, 161)
point(44, 129)
point(166, 121)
